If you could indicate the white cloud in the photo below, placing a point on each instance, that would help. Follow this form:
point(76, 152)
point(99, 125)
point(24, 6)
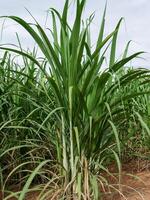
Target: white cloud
point(137, 2)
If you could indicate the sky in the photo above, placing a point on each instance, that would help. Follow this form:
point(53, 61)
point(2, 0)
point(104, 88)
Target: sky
point(135, 26)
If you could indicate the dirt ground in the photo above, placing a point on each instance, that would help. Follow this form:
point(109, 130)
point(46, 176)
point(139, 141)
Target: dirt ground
point(134, 185)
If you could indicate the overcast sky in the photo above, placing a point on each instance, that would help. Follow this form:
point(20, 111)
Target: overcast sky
point(136, 26)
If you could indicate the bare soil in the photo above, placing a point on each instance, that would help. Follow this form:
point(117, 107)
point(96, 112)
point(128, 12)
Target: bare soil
point(134, 183)
point(136, 187)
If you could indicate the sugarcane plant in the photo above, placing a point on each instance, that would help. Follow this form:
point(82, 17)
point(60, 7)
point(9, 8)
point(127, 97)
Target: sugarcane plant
point(87, 98)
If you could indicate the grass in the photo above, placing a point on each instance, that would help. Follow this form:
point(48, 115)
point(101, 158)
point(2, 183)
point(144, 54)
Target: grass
point(61, 116)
